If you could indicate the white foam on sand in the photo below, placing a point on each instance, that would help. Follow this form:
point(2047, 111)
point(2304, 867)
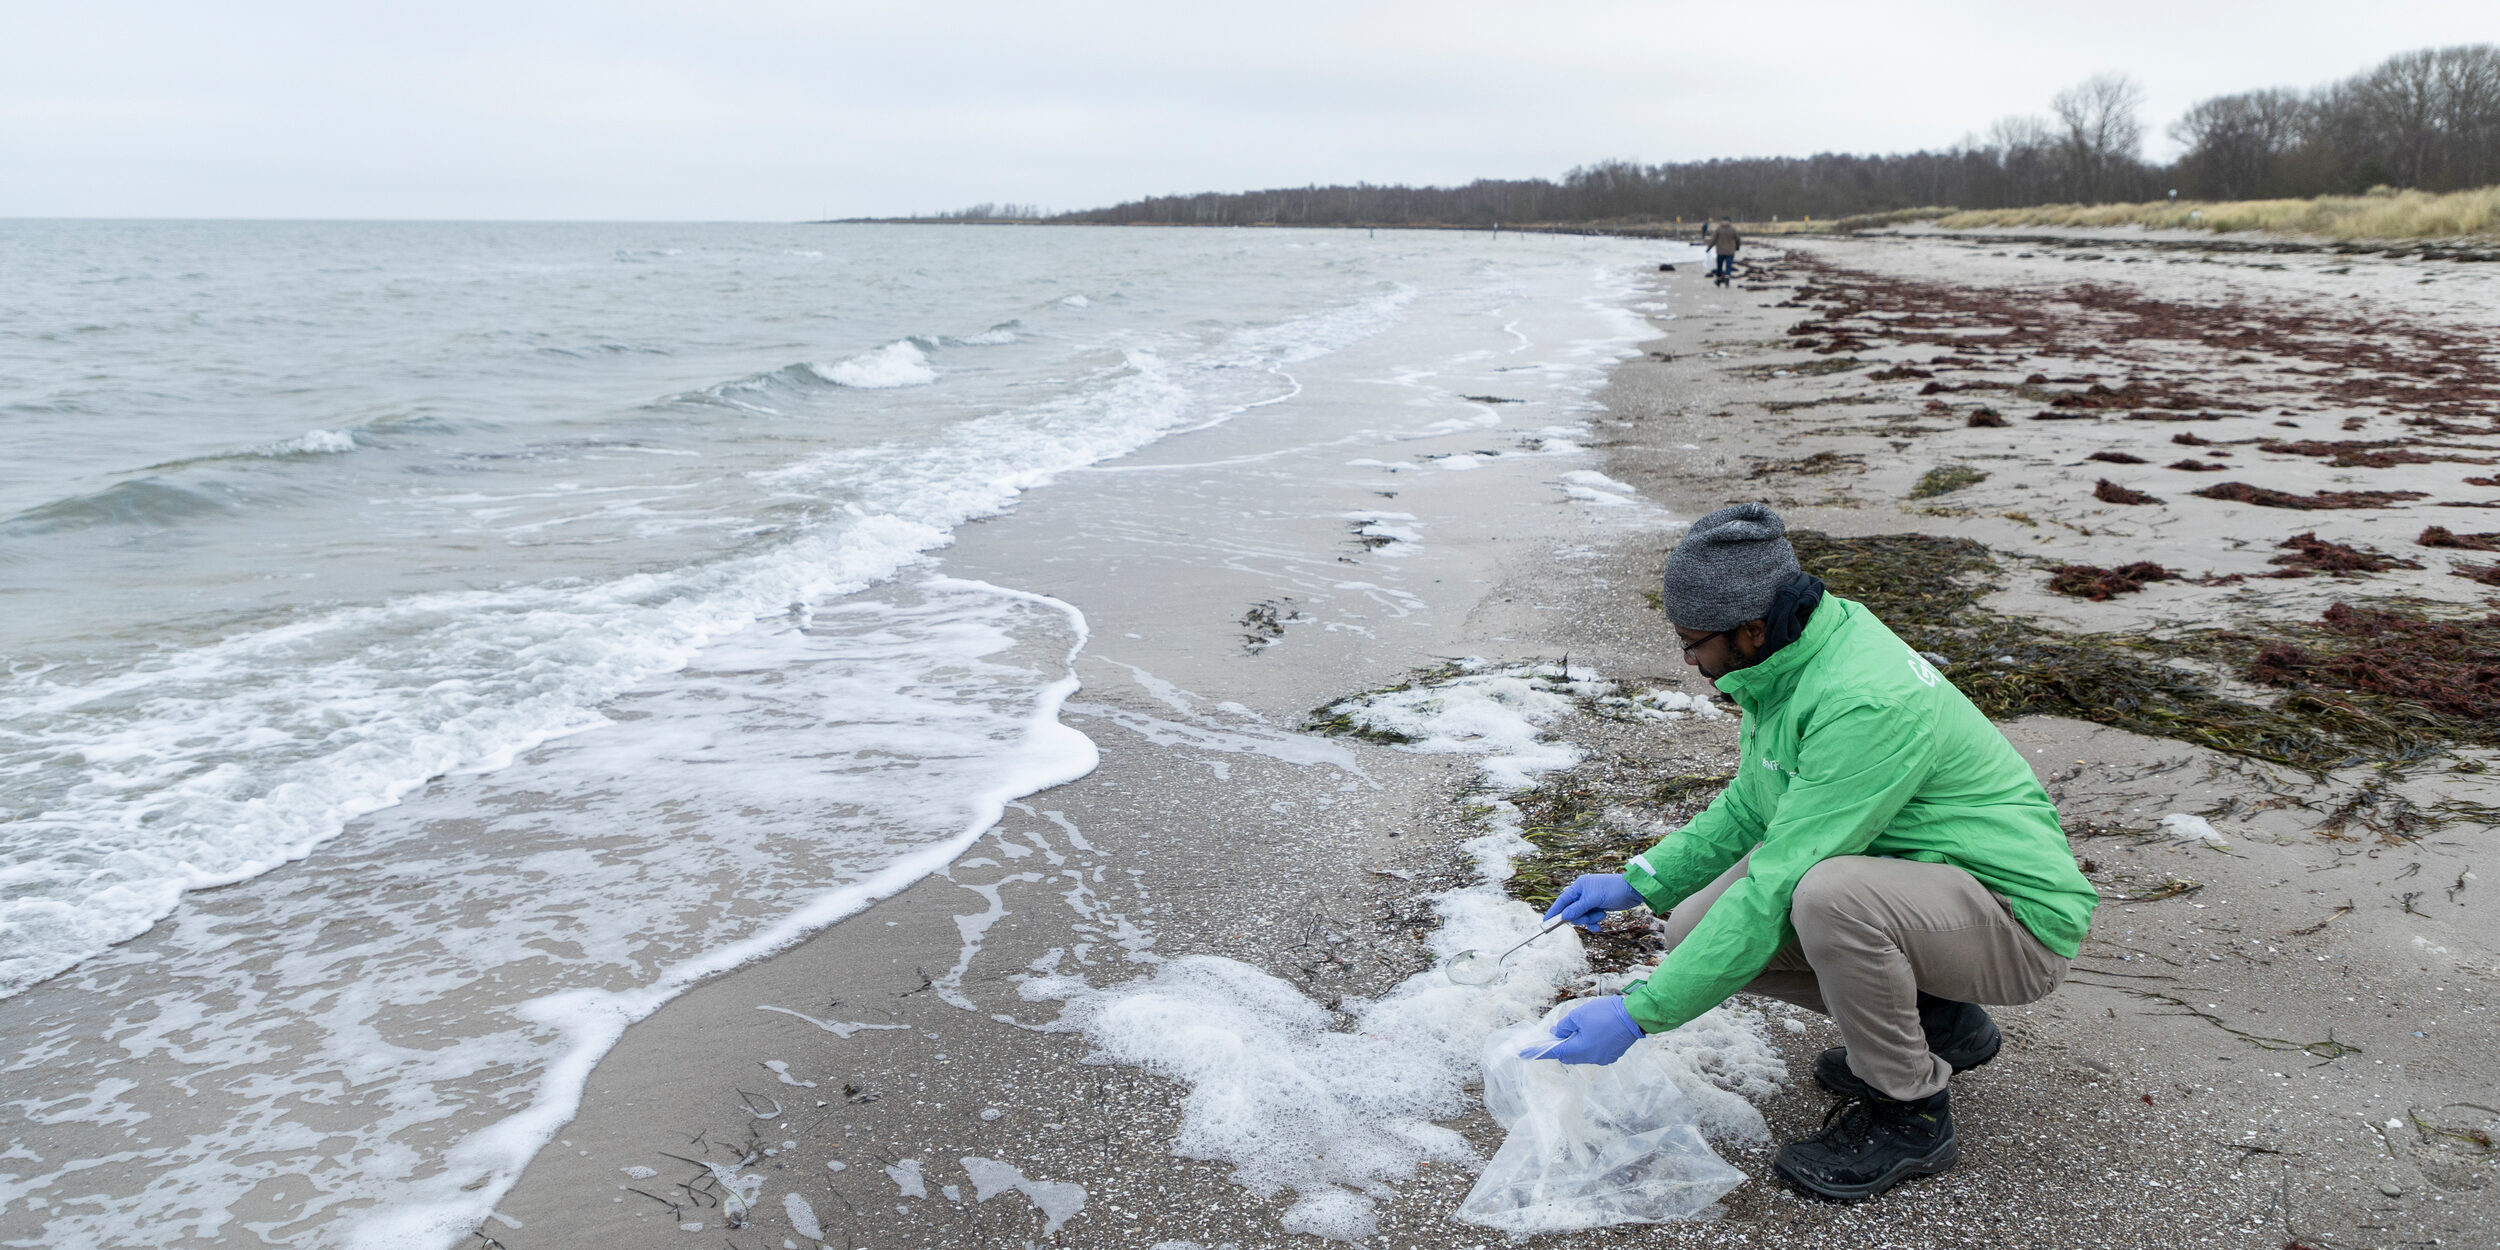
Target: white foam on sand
point(1337, 1106)
point(2197, 829)
point(802, 1216)
point(839, 1028)
point(905, 1173)
point(899, 363)
point(1056, 1200)
point(1496, 713)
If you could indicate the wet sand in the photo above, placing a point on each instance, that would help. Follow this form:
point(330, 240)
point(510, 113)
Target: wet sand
point(2175, 1092)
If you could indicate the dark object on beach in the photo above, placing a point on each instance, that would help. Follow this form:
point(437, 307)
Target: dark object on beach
point(2185, 439)
point(2483, 481)
point(2037, 379)
point(2439, 536)
point(2242, 492)
point(2487, 574)
point(2174, 416)
point(1944, 479)
point(2116, 457)
point(2446, 667)
point(2357, 454)
point(2198, 466)
point(1817, 464)
point(2092, 582)
point(2354, 423)
point(2437, 426)
point(2309, 552)
point(1666, 269)
point(1490, 399)
point(2111, 492)
point(1986, 418)
point(1897, 373)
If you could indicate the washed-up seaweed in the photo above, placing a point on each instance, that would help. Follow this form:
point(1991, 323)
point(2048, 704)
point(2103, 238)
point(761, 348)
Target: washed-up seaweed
point(2242, 492)
point(1927, 589)
point(2310, 553)
point(1336, 717)
point(2108, 491)
point(1565, 818)
point(2358, 454)
point(2449, 668)
point(2439, 536)
point(1945, 479)
point(2430, 375)
point(2089, 581)
point(1817, 464)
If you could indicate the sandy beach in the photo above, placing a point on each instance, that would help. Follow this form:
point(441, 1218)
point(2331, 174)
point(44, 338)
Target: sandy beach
point(2278, 1035)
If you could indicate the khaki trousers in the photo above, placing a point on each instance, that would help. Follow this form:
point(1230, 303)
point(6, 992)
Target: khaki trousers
point(1871, 933)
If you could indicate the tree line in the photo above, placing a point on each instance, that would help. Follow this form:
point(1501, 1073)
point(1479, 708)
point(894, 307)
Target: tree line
point(2428, 119)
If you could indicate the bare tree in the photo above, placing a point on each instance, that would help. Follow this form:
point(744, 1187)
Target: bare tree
point(2236, 144)
point(2426, 119)
point(2100, 133)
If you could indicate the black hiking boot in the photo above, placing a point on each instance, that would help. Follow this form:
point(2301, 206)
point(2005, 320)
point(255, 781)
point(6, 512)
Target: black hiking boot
point(1961, 1034)
point(1869, 1145)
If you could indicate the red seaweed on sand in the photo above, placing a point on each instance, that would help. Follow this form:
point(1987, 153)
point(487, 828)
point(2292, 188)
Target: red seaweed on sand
point(2309, 553)
point(2242, 492)
point(2092, 582)
point(2111, 492)
point(2434, 664)
point(2439, 536)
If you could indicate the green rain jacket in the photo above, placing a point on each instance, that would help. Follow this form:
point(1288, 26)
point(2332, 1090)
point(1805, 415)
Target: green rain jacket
point(1853, 745)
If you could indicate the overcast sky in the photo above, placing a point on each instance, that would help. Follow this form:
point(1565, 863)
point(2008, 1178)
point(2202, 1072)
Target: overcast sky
point(782, 109)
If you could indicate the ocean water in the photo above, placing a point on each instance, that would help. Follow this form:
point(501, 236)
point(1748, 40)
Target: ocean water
point(432, 647)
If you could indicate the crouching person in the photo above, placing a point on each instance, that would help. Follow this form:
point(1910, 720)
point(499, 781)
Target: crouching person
point(1883, 856)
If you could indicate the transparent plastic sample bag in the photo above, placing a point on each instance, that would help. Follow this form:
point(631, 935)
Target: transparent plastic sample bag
point(1590, 1144)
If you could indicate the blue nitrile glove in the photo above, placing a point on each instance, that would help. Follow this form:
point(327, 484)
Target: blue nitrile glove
point(1597, 1031)
point(1587, 899)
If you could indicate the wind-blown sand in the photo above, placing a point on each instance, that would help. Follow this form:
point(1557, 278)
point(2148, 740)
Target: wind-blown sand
point(2150, 1102)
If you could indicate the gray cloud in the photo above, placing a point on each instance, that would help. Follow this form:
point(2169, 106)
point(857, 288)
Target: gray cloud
point(775, 109)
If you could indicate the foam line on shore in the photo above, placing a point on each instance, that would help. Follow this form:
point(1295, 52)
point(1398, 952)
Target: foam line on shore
point(443, 1208)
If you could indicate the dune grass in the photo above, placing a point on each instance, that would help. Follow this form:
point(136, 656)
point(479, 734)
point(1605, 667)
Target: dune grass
point(2380, 214)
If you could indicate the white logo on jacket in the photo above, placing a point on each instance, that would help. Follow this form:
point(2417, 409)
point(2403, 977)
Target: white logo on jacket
point(1921, 669)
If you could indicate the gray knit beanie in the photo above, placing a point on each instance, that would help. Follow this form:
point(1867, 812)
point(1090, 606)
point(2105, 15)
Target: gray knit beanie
point(1727, 568)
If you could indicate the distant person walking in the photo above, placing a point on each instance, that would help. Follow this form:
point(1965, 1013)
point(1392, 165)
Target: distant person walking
point(1724, 240)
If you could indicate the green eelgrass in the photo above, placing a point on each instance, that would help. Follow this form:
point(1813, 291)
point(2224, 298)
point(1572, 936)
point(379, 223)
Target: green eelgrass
point(1945, 479)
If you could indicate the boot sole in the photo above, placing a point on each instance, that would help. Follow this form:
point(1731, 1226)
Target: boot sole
point(1936, 1161)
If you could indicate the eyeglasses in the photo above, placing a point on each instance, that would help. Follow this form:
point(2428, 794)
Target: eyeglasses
point(1703, 641)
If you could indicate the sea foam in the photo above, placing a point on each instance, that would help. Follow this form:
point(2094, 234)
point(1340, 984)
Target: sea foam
point(1296, 1099)
point(899, 363)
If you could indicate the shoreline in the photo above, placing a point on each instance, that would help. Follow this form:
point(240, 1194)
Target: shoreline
point(2159, 1128)
point(2467, 249)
